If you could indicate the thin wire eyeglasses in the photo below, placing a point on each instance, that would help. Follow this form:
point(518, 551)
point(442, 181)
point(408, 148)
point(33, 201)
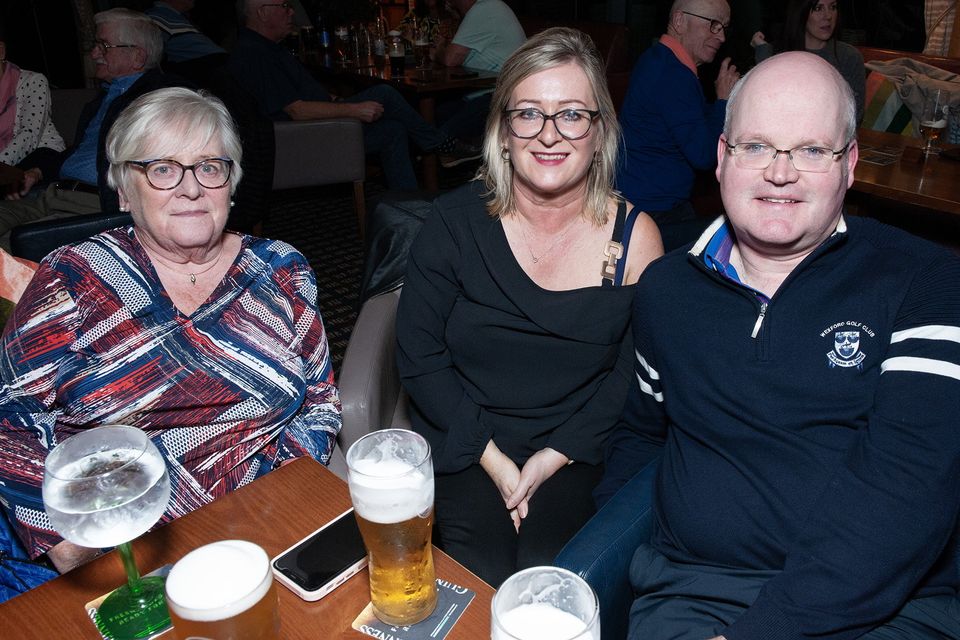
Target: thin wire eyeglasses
point(106, 46)
point(715, 25)
point(571, 124)
point(285, 5)
point(757, 155)
point(164, 175)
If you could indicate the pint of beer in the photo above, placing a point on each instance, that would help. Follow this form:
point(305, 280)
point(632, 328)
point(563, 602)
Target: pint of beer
point(545, 603)
point(223, 590)
point(390, 476)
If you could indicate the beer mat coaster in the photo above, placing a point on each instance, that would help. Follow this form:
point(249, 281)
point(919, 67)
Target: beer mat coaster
point(878, 157)
point(452, 601)
point(93, 606)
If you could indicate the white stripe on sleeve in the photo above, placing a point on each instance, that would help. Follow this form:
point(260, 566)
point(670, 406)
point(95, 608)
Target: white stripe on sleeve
point(928, 332)
point(921, 365)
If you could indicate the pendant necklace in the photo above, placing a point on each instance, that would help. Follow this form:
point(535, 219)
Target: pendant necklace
point(191, 274)
point(556, 242)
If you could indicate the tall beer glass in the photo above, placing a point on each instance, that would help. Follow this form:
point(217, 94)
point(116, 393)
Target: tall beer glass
point(545, 603)
point(390, 476)
point(223, 590)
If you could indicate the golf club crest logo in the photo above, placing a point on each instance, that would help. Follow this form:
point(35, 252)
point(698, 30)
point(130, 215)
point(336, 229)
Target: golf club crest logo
point(846, 351)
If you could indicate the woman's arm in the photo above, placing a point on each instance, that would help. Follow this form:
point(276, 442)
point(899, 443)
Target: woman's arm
point(313, 430)
point(431, 289)
point(38, 338)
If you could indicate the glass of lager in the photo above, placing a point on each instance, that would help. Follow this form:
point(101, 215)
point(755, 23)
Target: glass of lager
point(390, 474)
point(545, 603)
point(223, 590)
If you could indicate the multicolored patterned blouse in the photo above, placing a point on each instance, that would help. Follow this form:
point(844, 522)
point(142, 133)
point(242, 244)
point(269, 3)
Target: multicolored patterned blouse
point(226, 394)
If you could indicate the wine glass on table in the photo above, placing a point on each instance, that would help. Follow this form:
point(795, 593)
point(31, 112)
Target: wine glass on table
point(933, 119)
point(103, 488)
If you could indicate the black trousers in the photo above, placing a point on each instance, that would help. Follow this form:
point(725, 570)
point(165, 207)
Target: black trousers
point(474, 526)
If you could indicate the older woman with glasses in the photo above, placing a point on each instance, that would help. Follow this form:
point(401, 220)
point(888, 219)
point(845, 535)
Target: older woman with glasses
point(513, 323)
point(208, 340)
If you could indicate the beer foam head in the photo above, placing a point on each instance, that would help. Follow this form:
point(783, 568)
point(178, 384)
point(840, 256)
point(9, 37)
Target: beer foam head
point(390, 476)
point(218, 580)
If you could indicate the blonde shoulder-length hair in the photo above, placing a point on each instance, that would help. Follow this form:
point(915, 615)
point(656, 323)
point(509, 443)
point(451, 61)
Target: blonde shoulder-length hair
point(548, 49)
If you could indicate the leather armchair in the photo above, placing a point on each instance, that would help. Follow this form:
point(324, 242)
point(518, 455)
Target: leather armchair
point(65, 108)
point(34, 240)
point(319, 152)
point(370, 393)
point(601, 551)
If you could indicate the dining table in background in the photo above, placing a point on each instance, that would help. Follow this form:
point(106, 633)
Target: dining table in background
point(274, 511)
point(423, 87)
point(893, 167)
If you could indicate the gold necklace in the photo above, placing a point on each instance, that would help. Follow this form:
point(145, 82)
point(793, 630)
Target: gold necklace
point(191, 274)
point(526, 241)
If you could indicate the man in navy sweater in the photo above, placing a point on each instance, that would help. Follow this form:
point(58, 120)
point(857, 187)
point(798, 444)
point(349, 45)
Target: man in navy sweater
point(669, 129)
point(798, 376)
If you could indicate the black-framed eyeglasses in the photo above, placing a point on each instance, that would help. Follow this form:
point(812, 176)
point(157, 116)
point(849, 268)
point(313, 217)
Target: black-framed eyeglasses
point(571, 124)
point(164, 175)
point(757, 155)
point(715, 25)
point(285, 5)
point(106, 46)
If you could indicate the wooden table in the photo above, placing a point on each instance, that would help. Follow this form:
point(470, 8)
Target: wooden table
point(274, 511)
point(422, 85)
point(931, 182)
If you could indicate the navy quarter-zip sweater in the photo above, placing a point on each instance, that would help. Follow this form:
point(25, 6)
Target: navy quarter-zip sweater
point(826, 446)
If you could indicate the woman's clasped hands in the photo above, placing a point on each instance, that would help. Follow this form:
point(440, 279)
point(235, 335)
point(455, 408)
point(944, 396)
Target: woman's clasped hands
point(517, 485)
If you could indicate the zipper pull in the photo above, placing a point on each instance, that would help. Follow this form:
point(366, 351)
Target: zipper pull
point(759, 323)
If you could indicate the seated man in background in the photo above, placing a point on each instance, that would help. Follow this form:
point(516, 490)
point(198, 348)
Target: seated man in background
point(286, 91)
point(182, 41)
point(669, 129)
point(488, 34)
point(797, 376)
point(126, 52)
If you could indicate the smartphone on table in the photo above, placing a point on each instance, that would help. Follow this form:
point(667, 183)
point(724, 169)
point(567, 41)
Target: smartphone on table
point(325, 559)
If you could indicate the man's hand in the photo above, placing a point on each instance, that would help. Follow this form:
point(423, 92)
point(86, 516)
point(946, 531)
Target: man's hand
point(30, 178)
point(367, 111)
point(505, 475)
point(66, 555)
point(758, 39)
point(537, 469)
point(726, 78)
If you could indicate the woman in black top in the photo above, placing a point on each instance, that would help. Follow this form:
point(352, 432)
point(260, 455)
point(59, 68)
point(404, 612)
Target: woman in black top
point(513, 323)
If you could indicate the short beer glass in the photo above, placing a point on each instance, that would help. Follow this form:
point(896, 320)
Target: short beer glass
point(390, 474)
point(223, 590)
point(545, 603)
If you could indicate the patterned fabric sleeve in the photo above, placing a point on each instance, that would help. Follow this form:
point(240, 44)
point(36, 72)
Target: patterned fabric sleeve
point(313, 431)
point(38, 335)
point(33, 128)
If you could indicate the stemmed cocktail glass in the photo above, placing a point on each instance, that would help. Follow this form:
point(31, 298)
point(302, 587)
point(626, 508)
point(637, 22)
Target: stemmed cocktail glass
point(103, 488)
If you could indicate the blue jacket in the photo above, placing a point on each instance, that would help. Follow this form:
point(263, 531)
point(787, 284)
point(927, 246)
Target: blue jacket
point(825, 448)
point(669, 131)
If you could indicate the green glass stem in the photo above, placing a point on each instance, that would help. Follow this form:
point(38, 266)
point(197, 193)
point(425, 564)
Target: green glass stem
point(130, 566)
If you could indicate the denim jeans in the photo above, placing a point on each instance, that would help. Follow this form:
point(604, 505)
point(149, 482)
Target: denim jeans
point(388, 136)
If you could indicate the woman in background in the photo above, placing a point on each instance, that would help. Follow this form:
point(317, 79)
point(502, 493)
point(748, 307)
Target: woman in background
point(812, 25)
point(512, 329)
point(25, 123)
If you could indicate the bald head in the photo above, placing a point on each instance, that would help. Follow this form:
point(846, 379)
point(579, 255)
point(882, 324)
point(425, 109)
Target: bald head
point(800, 82)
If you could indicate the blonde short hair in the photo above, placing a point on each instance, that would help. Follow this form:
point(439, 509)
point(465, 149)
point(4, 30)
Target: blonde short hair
point(548, 49)
point(160, 123)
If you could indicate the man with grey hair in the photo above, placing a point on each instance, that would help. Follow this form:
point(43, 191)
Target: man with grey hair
point(126, 53)
point(669, 129)
point(797, 375)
